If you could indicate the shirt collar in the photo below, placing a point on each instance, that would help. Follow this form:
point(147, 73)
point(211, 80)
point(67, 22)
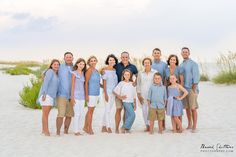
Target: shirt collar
point(158, 85)
point(124, 65)
point(156, 61)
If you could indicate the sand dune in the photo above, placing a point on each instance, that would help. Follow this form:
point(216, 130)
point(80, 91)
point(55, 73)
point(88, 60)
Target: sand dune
point(20, 129)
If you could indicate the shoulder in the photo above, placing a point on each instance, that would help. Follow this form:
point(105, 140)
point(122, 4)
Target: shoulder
point(49, 72)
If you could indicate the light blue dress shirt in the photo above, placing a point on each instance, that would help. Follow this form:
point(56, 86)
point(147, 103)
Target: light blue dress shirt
point(191, 73)
point(50, 84)
point(64, 75)
point(157, 96)
point(160, 66)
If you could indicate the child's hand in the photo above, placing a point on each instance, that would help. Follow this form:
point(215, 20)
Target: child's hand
point(72, 101)
point(123, 97)
point(178, 98)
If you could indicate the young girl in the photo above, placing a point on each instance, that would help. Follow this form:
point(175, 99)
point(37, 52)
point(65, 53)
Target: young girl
point(126, 92)
point(174, 105)
point(110, 81)
point(48, 93)
point(78, 94)
point(92, 92)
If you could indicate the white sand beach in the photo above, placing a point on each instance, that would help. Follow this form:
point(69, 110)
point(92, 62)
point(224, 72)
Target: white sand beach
point(20, 129)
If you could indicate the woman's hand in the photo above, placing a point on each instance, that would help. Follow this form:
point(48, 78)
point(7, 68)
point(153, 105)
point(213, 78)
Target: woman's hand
point(72, 101)
point(140, 98)
point(106, 98)
point(122, 97)
point(44, 97)
point(178, 98)
point(87, 98)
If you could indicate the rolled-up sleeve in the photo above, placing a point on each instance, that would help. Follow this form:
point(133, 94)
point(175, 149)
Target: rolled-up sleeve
point(196, 75)
point(47, 78)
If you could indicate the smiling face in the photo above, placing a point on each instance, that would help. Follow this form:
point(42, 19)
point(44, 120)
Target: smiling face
point(173, 61)
point(55, 66)
point(68, 58)
point(185, 53)
point(127, 76)
point(156, 54)
point(111, 61)
point(147, 64)
point(93, 62)
point(125, 58)
point(173, 79)
point(81, 65)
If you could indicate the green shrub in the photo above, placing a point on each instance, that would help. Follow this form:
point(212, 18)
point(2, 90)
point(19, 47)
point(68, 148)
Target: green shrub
point(204, 77)
point(18, 70)
point(29, 94)
point(227, 66)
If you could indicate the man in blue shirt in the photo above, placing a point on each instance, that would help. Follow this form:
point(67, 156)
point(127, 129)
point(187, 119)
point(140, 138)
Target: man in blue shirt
point(158, 64)
point(65, 109)
point(191, 80)
point(120, 67)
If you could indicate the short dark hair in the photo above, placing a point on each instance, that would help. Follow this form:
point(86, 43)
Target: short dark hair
point(157, 74)
point(147, 58)
point(68, 53)
point(185, 48)
point(156, 49)
point(111, 56)
point(176, 57)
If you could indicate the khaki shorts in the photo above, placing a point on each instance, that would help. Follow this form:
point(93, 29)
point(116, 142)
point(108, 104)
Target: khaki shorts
point(190, 101)
point(156, 114)
point(65, 109)
point(119, 104)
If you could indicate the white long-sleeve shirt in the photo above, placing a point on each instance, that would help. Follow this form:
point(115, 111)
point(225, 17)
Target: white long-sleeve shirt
point(144, 82)
point(126, 88)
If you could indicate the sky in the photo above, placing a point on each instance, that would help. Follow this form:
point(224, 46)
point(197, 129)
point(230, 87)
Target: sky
point(45, 29)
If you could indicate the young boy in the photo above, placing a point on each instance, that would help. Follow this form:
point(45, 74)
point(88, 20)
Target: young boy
point(157, 98)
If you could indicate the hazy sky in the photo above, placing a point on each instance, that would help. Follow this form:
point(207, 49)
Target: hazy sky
point(45, 29)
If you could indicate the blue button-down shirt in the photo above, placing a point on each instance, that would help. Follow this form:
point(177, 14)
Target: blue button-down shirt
point(120, 68)
point(64, 75)
point(191, 73)
point(157, 96)
point(160, 66)
point(50, 84)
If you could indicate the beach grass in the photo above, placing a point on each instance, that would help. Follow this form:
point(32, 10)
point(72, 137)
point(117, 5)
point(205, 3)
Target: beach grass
point(18, 70)
point(26, 63)
point(29, 94)
point(227, 69)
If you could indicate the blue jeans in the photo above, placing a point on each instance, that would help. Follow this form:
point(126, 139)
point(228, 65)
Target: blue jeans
point(129, 115)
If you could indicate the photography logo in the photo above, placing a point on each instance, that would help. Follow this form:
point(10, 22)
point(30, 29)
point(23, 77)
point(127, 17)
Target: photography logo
point(217, 148)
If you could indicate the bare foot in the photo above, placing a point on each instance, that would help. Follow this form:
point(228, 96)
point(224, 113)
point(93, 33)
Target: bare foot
point(122, 130)
point(151, 132)
point(160, 132)
point(194, 131)
point(174, 131)
point(189, 127)
point(147, 129)
point(109, 130)
point(78, 134)
point(58, 133)
point(65, 131)
point(86, 130)
point(128, 131)
point(104, 129)
point(117, 132)
point(46, 133)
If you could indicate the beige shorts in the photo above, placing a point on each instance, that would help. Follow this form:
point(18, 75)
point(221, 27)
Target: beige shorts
point(190, 101)
point(156, 114)
point(65, 109)
point(119, 104)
